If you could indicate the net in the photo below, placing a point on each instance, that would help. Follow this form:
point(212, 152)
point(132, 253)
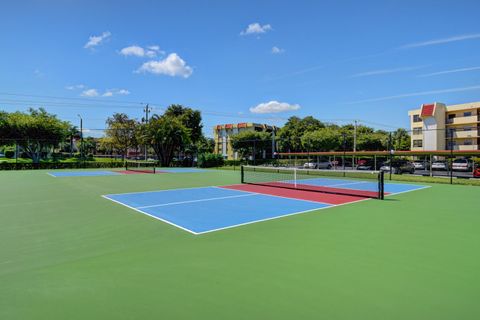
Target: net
point(140, 166)
point(368, 184)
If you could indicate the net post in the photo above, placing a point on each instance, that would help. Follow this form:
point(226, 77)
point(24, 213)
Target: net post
point(381, 185)
point(242, 174)
point(295, 177)
point(154, 169)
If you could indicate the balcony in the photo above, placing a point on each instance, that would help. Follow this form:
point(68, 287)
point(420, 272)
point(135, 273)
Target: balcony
point(466, 134)
point(463, 120)
point(464, 147)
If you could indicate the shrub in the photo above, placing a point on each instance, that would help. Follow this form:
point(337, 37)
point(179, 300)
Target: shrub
point(9, 154)
point(208, 160)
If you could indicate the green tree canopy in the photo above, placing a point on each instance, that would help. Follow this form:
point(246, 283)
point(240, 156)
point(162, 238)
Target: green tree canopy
point(401, 139)
point(191, 119)
point(123, 133)
point(166, 134)
point(36, 131)
point(290, 136)
point(323, 139)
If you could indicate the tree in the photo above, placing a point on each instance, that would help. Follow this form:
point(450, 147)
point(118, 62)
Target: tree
point(251, 143)
point(166, 134)
point(372, 142)
point(289, 137)
point(323, 139)
point(123, 133)
point(36, 131)
point(191, 119)
point(401, 139)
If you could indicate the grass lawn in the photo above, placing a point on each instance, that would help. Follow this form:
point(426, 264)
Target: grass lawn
point(67, 253)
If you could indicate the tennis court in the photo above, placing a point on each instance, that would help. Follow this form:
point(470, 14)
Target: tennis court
point(68, 253)
point(208, 209)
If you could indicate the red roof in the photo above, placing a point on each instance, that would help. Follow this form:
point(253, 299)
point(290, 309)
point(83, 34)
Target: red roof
point(427, 110)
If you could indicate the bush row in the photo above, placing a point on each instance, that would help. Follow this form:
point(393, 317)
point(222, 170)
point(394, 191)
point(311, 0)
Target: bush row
point(61, 165)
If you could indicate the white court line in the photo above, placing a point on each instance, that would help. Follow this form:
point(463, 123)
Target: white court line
point(327, 205)
point(51, 175)
point(348, 184)
point(200, 200)
point(150, 215)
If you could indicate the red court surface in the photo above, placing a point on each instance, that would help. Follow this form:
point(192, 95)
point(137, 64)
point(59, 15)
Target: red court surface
point(296, 194)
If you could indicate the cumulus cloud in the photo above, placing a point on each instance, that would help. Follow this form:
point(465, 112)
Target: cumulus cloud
point(94, 41)
point(150, 51)
point(274, 107)
point(256, 28)
point(90, 93)
point(112, 92)
point(172, 65)
point(277, 50)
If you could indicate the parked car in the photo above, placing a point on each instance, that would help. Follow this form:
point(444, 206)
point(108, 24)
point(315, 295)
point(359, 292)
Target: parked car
point(440, 165)
point(318, 165)
point(476, 172)
point(366, 164)
point(2, 155)
point(421, 165)
point(398, 166)
point(462, 165)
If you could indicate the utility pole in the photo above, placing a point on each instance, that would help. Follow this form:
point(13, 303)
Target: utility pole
point(81, 136)
point(354, 142)
point(147, 110)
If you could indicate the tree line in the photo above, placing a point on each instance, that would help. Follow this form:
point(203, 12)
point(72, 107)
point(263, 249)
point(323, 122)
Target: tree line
point(38, 133)
point(310, 134)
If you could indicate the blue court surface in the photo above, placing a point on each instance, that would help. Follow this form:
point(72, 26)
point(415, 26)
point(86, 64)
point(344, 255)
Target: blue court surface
point(82, 173)
point(207, 209)
point(179, 170)
point(201, 210)
point(390, 188)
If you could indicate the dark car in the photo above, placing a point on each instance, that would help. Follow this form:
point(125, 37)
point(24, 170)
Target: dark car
point(366, 164)
point(398, 166)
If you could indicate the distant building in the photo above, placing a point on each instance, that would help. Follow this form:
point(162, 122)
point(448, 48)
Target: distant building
point(223, 132)
point(436, 126)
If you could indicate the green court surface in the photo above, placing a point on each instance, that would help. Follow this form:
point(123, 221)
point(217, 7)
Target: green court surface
point(68, 253)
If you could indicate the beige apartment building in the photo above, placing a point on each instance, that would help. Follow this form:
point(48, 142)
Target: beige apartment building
point(223, 132)
point(436, 126)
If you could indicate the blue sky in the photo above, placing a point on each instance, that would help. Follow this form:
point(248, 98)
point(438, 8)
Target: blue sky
point(239, 61)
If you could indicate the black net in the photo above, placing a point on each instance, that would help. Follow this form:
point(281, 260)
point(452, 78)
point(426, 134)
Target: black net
point(140, 166)
point(367, 184)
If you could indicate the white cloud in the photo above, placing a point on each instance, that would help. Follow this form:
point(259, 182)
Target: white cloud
point(150, 51)
point(75, 87)
point(274, 107)
point(441, 41)
point(383, 71)
point(90, 93)
point(94, 41)
point(449, 71)
point(172, 65)
point(277, 50)
point(112, 92)
point(256, 28)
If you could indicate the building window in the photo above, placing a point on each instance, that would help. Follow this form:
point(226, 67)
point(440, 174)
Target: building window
point(417, 143)
point(467, 142)
point(467, 114)
point(417, 131)
point(416, 118)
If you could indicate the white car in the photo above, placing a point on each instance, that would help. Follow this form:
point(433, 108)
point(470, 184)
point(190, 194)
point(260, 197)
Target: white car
point(439, 165)
point(318, 165)
point(462, 165)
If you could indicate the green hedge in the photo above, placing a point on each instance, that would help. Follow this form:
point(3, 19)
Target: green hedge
point(61, 165)
point(208, 160)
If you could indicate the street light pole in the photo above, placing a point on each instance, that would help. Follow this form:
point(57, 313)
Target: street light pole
point(81, 136)
point(147, 109)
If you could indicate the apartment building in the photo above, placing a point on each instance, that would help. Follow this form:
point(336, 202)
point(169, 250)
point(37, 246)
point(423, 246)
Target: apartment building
point(436, 126)
point(223, 132)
